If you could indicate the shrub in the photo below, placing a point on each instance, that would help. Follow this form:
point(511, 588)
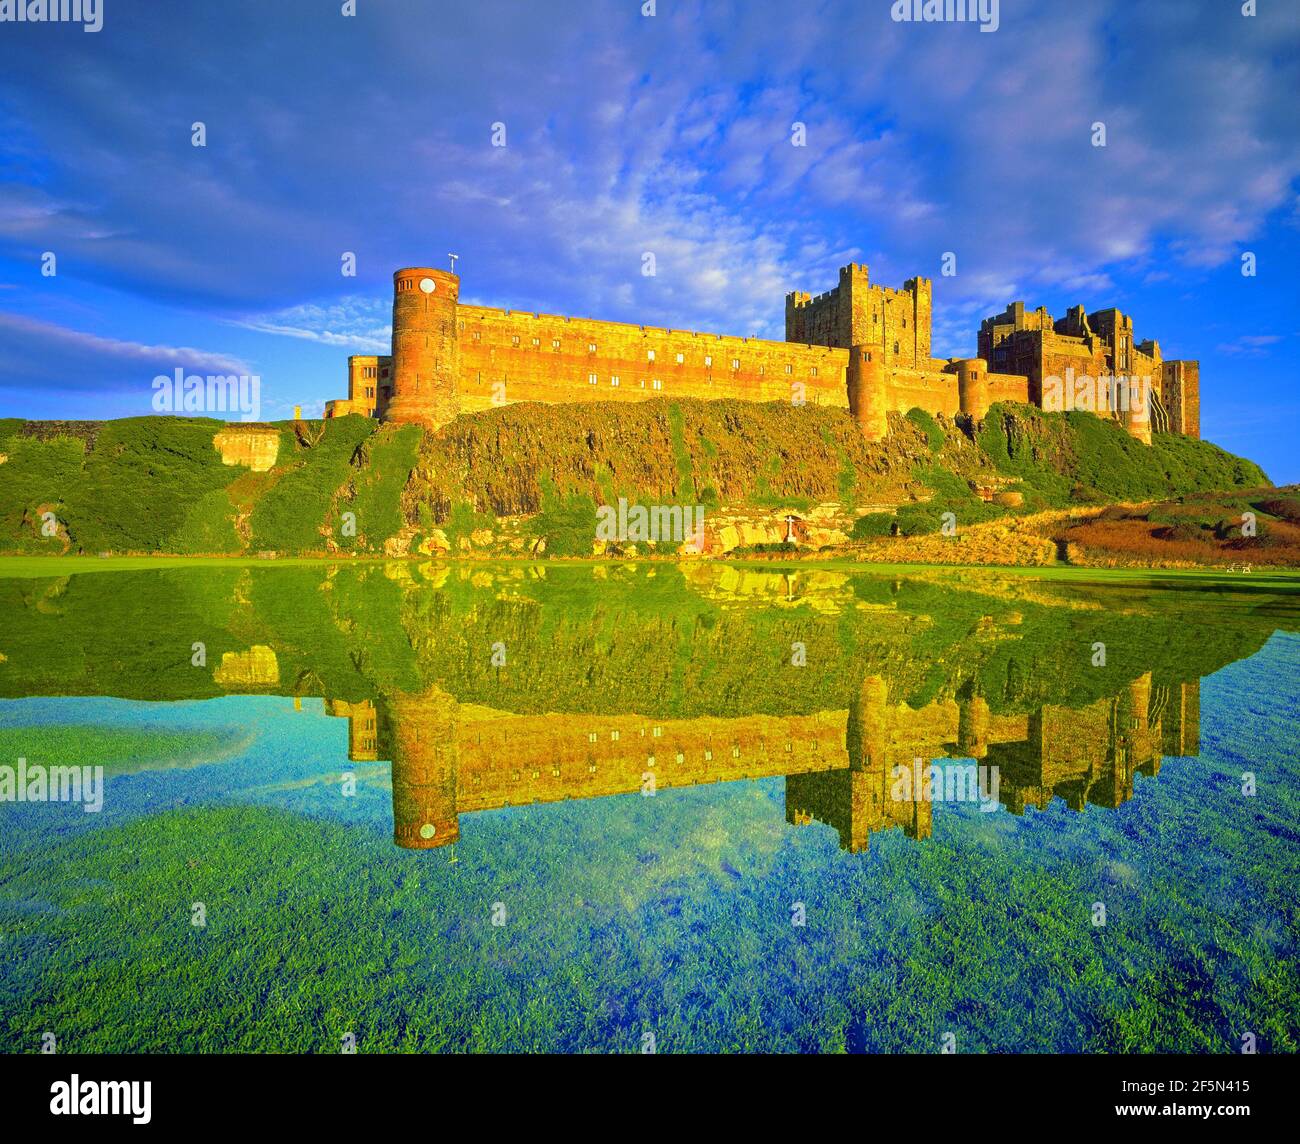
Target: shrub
point(873, 524)
point(927, 424)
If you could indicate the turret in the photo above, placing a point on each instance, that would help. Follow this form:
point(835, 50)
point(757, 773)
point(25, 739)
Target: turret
point(973, 387)
point(425, 347)
point(422, 744)
point(866, 733)
point(865, 378)
point(973, 726)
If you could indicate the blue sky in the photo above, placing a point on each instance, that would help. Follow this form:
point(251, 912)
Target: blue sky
point(625, 133)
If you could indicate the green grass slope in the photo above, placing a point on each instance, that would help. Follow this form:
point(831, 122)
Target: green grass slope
point(158, 485)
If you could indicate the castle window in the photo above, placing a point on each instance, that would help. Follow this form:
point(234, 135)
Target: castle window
point(591, 379)
point(735, 363)
point(478, 336)
point(591, 738)
point(591, 347)
point(614, 380)
point(904, 323)
point(874, 316)
point(657, 732)
point(613, 735)
point(681, 358)
point(814, 371)
point(708, 361)
point(789, 369)
point(555, 343)
point(537, 341)
point(895, 347)
point(708, 755)
point(461, 324)
point(514, 341)
point(656, 384)
point(650, 356)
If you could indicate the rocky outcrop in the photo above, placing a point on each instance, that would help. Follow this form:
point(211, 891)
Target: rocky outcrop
point(254, 449)
point(256, 667)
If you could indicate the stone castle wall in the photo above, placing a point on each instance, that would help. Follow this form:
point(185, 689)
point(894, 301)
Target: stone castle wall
point(858, 346)
point(838, 765)
point(519, 356)
point(1098, 345)
point(1181, 391)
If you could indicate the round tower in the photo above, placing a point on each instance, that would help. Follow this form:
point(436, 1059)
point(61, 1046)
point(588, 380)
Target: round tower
point(973, 727)
point(973, 387)
point(867, 729)
point(422, 743)
point(866, 385)
point(425, 347)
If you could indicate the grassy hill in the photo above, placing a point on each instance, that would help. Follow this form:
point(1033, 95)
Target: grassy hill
point(503, 480)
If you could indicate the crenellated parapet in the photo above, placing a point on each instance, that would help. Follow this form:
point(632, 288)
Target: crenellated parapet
point(858, 344)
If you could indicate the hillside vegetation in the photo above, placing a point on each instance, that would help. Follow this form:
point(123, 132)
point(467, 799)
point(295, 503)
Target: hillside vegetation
point(528, 478)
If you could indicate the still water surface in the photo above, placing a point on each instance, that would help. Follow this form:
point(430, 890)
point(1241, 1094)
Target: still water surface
point(571, 808)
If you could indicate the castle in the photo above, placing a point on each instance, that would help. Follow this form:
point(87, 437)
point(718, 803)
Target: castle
point(858, 346)
point(838, 765)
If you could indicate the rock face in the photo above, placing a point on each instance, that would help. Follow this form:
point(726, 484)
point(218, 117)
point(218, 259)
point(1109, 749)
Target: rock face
point(256, 667)
point(726, 531)
point(255, 449)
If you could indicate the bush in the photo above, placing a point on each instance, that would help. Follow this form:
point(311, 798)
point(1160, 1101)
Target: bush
point(927, 424)
point(1285, 508)
point(1185, 529)
point(568, 523)
point(920, 519)
point(873, 524)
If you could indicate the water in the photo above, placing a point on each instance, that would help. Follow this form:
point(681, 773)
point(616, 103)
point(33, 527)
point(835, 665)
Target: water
point(548, 808)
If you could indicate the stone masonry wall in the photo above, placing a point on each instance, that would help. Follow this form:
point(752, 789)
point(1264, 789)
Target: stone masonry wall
point(546, 357)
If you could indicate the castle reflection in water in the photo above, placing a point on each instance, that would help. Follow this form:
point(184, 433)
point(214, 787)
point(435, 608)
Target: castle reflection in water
point(449, 759)
point(627, 680)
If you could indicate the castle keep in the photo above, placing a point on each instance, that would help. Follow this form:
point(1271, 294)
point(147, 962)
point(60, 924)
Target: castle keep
point(858, 346)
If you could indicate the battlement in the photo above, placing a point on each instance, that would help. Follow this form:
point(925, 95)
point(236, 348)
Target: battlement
point(895, 322)
point(857, 345)
point(1082, 350)
point(838, 765)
